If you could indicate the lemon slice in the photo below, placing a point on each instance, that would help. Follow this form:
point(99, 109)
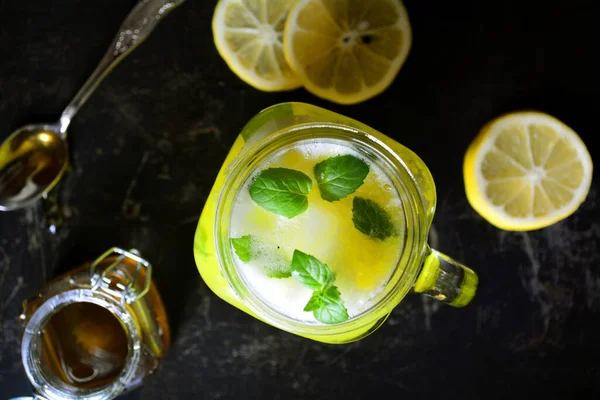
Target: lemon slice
point(526, 170)
point(248, 35)
point(347, 51)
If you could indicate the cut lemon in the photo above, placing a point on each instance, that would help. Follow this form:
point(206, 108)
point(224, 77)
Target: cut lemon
point(248, 35)
point(347, 51)
point(526, 170)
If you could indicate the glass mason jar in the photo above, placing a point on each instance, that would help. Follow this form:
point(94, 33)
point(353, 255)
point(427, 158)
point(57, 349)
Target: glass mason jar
point(96, 331)
point(420, 269)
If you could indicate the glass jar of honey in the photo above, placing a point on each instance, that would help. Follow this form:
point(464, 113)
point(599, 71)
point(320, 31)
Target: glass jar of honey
point(96, 331)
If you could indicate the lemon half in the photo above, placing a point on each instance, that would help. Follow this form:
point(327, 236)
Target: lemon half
point(248, 35)
point(526, 170)
point(347, 51)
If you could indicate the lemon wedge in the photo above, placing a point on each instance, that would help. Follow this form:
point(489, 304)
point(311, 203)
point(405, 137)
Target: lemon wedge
point(347, 51)
point(248, 36)
point(526, 171)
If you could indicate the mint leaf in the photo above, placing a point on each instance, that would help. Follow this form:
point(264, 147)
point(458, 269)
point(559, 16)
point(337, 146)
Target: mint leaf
point(326, 302)
point(327, 306)
point(279, 274)
point(249, 248)
point(276, 264)
point(281, 191)
point(315, 302)
point(243, 247)
point(340, 176)
point(309, 271)
point(371, 219)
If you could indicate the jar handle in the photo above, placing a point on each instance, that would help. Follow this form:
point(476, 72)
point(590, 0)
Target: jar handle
point(128, 294)
point(446, 279)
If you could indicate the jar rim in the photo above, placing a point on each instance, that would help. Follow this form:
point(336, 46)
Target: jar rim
point(401, 279)
point(32, 341)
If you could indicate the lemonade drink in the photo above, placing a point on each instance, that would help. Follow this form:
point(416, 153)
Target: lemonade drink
point(361, 264)
point(362, 252)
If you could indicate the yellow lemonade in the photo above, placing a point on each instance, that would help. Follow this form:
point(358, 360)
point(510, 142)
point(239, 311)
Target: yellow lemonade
point(370, 272)
point(361, 264)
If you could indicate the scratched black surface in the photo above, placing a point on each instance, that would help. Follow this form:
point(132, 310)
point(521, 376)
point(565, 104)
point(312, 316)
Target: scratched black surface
point(149, 142)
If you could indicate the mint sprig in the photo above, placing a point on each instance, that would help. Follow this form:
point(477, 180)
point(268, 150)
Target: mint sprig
point(327, 306)
point(371, 219)
point(340, 176)
point(326, 301)
point(281, 191)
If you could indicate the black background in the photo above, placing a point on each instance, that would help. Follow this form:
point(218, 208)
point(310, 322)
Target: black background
point(148, 144)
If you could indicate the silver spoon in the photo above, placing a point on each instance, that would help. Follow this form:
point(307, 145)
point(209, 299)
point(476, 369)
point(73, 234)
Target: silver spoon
point(34, 157)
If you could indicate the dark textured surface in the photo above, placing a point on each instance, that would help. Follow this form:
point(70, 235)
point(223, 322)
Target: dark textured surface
point(148, 144)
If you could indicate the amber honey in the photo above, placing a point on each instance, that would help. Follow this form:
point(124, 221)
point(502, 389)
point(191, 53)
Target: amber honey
point(97, 330)
point(85, 345)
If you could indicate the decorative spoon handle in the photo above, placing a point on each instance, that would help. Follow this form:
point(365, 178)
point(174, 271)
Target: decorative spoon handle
point(138, 25)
